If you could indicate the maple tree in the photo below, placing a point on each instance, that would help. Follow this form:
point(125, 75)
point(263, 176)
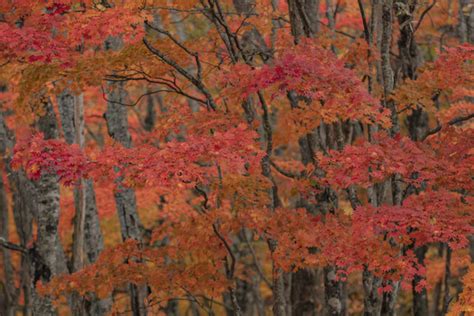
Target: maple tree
point(245, 157)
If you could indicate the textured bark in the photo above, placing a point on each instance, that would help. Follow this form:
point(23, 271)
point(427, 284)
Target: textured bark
point(304, 292)
point(417, 122)
point(335, 290)
point(410, 55)
point(279, 300)
point(93, 240)
point(304, 23)
point(87, 241)
point(125, 199)
point(9, 292)
point(334, 293)
point(48, 244)
point(466, 21)
point(371, 283)
point(389, 299)
point(420, 298)
point(447, 276)
point(386, 41)
point(24, 209)
point(372, 299)
point(252, 45)
point(150, 118)
point(304, 17)
point(117, 126)
point(244, 7)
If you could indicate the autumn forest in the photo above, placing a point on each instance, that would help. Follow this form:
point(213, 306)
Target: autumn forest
point(237, 157)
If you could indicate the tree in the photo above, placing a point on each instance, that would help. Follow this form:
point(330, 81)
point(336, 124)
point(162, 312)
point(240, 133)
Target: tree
point(297, 157)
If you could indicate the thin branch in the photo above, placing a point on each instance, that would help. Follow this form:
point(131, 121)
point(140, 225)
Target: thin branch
point(195, 55)
point(423, 15)
point(286, 173)
point(6, 244)
point(197, 11)
point(452, 122)
point(337, 31)
point(178, 91)
point(266, 124)
point(196, 82)
point(231, 269)
point(364, 21)
point(256, 262)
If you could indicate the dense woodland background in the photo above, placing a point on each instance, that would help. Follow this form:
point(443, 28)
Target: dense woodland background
point(245, 157)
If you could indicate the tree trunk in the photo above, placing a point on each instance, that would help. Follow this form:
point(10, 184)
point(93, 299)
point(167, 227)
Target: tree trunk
point(8, 289)
point(304, 18)
point(87, 240)
point(466, 21)
point(304, 23)
point(49, 248)
point(125, 199)
point(305, 286)
point(24, 209)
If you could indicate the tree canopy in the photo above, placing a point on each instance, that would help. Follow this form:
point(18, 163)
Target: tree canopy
point(245, 157)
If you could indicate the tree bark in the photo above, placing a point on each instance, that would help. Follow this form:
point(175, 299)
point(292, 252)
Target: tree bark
point(9, 291)
point(49, 248)
point(87, 239)
point(304, 17)
point(125, 199)
point(304, 23)
point(24, 210)
point(305, 286)
point(466, 21)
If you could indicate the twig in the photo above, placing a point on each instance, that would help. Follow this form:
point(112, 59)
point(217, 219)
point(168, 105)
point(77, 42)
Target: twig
point(195, 81)
point(452, 122)
point(12, 246)
point(423, 15)
point(255, 262)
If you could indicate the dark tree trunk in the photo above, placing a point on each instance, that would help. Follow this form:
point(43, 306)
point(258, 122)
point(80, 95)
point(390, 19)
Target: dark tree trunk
point(420, 298)
point(305, 287)
point(304, 17)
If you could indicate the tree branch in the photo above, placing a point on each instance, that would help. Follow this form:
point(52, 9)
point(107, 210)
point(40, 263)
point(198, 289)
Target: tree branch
point(452, 122)
point(6, 244)
point(423, 15)
point(195, 81)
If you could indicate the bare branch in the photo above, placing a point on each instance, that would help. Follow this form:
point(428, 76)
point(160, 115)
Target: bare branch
point(452, 122)
point(286, 173)
point(6, 244)
point(195, 81)
point(423, 15)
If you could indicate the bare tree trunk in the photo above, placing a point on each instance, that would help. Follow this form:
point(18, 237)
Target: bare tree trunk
point(304, 290)
point(87, 239)
point(466, 20)
point(125, 199)
point(49, 247)
point(9, 291)
point(24, 207)
point(334, 293)
point(117, 126)
point(304, 17)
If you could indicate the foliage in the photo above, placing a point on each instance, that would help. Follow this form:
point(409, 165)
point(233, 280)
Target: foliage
point(250, 153)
